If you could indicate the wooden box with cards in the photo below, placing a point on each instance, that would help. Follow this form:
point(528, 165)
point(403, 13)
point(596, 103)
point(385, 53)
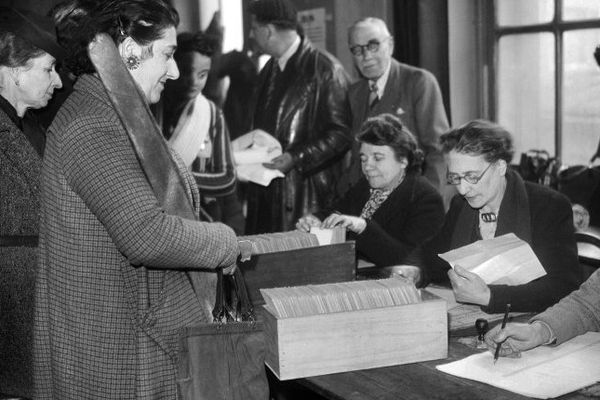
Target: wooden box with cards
point(295, 258)
point(339, 339)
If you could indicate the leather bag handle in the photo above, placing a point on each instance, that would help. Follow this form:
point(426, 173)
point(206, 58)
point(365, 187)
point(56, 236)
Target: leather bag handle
point(224, 312)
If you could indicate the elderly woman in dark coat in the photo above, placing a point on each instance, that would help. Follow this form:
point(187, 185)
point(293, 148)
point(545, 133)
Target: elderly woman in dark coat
point(392, 209)
point(493, 200)
point(118, 270)
point(28, 53)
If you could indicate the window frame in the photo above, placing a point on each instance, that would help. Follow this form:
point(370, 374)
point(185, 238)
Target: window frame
point(492, 32)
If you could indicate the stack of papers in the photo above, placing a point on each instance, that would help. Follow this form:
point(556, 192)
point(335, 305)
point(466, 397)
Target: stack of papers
point(280, 241)
point(544, 372)
point(250, 151)
point(503, 260)
point(307, 300)
point(461, 316)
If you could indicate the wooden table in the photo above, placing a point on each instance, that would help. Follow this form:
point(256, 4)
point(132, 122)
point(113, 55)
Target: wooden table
point(419, 381)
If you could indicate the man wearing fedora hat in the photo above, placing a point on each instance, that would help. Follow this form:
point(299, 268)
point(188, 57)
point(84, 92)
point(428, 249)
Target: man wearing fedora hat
point(302, 102)
point(28, 53)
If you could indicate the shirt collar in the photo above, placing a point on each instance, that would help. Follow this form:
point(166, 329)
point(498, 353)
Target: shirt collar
point(285, 57)
point(382, 81)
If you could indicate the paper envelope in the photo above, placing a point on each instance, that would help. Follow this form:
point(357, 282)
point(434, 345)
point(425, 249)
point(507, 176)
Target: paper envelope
point(250, 151)
point(503, 260)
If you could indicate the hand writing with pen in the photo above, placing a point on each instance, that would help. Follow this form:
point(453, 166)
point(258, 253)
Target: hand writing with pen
point(517, 337)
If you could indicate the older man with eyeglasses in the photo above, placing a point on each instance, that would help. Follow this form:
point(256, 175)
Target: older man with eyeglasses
point(494, 200)
point(388, 86)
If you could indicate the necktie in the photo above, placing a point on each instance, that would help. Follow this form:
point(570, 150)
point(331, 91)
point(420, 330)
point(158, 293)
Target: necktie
point(275, 71)
point(373, 95)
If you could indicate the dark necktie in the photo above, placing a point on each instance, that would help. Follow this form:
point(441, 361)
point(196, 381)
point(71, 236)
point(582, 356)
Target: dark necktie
point(275, 71)
point(373, 95)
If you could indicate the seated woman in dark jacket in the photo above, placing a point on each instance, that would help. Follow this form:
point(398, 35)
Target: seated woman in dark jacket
point(493, 200)
point(392, 209)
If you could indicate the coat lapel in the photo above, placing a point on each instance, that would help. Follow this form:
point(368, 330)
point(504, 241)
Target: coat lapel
point(514, 210)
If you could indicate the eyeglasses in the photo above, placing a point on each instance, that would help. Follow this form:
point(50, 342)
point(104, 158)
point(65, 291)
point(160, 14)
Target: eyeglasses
point(470, 177)
point(373, 45)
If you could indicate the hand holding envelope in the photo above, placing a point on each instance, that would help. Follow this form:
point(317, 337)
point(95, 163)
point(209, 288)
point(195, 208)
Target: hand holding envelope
point(250, 151)
point(503, 260)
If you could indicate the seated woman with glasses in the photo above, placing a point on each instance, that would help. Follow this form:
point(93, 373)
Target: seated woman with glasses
point(493, 200)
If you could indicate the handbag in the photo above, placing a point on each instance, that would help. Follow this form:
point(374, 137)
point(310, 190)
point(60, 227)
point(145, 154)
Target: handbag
point(537, 166)
point(224, 360)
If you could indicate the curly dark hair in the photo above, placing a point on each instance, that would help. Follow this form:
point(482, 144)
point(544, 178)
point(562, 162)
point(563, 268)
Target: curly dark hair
point(387, 130)
point(480, 137)
point(78, 22)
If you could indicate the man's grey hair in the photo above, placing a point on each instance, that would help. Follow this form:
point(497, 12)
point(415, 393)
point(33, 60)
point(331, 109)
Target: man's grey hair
point(370, 21)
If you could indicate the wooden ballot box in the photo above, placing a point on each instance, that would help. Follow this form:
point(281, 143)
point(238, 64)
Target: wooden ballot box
point(322, 344)
point(310, 265)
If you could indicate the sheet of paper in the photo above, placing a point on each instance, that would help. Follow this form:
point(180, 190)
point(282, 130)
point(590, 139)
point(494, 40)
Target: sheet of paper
point(503, 260)
point(329, 236)
point(461, 316)
point(544, 372)
point(250, 151)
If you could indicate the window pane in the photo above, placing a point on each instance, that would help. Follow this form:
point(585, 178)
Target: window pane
point(581, 97)
point(581, 9)
point(526, 90)
point(521, 12)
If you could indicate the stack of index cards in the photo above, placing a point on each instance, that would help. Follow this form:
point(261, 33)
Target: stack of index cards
point(298, 301)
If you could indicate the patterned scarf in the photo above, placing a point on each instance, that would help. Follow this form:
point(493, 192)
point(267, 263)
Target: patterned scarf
point(377, 197)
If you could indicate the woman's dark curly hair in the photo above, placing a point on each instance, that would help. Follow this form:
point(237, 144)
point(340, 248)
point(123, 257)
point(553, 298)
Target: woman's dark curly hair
point(78, 22)
point(387, 130)
point(480, 138)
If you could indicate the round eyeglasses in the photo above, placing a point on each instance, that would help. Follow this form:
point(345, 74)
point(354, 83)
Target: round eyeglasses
point(372, 46)
point(469, 177)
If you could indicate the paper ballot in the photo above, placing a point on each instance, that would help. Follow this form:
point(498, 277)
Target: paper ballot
point(544, 372)
point(250, 151)
point(503, 260)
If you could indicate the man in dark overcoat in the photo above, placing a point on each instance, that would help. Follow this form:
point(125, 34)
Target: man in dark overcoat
point(302, 102)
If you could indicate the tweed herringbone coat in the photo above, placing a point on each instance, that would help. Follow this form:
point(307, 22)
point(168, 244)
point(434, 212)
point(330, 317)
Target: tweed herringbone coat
point(20, 167)
point(114, 284)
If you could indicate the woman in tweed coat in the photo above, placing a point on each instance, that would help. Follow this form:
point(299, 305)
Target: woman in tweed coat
point(28, 52)
point(113, 286)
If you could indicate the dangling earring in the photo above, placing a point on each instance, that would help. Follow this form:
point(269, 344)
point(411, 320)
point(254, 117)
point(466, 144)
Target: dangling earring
point(132, 62)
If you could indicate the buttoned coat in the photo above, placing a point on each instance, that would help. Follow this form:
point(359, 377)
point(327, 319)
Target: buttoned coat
point(411, 214)
point(115, 270)
point(538, 215)
point(20, 167)
point(413, 95)
point(312, 123)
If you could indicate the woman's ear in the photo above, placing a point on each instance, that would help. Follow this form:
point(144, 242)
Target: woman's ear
point(129, 48)
point(502, 166)
point(131, 53)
